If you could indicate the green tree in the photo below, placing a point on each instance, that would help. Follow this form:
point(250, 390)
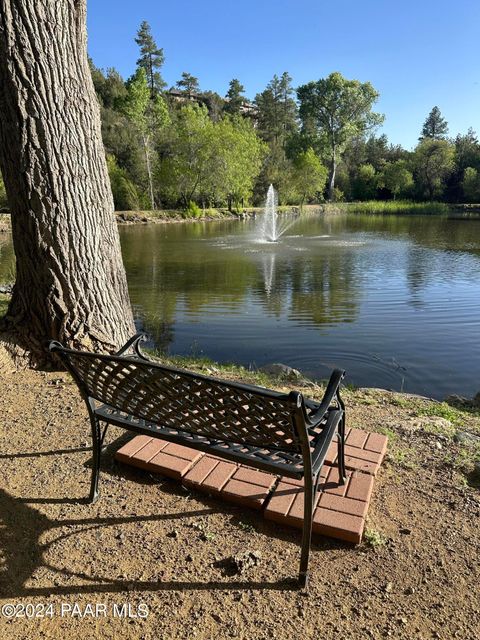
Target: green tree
point(365, 182)
point(109, 87)
point(148, 115)
point(234, 98)
point(151, 58)
point(276, 124)
point(188, 84)
point(434, 162)
point(435, 126)
point(277, 170)
point(214, 103)
point(396, 178)
point(471, 185)
point(277, 110)
point(238, 155)
point(467, 154)
point(120, 137)
point(337, 110)
point(210, 162)
point(125, 194)
point(187, 161)
point(309, 175)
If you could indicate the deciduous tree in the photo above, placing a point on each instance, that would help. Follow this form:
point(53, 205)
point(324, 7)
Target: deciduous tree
point(365, 182)
point(187, 159)
point(396, 177)
point(434, 162)
point(70, 281)
point(238, 155)
point(338, 110)
point(148, 114)
point(309, 175)
point(471, 185)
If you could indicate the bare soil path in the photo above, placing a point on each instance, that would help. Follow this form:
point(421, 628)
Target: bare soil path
point(148, 545)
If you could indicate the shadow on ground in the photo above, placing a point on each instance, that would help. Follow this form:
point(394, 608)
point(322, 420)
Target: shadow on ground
point(22, 528)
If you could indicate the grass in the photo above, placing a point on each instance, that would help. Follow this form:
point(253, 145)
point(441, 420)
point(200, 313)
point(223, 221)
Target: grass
point(233, 371)
point(391, 206)
point(443, 410)
point(374, 538)
point(391, 435)
point(401, 402)
point(403, 457)
point(398, 455)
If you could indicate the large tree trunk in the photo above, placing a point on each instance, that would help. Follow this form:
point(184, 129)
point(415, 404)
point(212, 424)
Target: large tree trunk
point(71, 283)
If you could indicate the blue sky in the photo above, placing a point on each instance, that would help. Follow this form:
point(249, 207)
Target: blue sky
point(417, 54)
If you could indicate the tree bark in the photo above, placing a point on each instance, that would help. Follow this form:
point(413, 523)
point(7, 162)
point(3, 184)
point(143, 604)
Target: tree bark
point(331, 180)
point(70, 284)
point(146, 147)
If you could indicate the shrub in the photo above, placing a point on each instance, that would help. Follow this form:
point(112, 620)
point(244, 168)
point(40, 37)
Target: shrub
point(192, 210)
point(338, 195)
point(125, 194)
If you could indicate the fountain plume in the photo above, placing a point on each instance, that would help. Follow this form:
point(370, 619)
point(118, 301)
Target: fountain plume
point(270, 227)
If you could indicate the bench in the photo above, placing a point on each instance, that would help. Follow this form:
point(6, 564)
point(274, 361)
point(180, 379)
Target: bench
point(281, 433)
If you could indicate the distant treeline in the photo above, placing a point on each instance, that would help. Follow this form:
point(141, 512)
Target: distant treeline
point(186, 147)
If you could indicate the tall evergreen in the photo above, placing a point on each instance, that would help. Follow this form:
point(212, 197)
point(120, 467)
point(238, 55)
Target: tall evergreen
point(435, 126)
point(234, 97)
point(188, 84)
point(277, 110)
point(151, 58)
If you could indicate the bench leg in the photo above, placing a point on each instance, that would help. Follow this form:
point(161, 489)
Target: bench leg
point(309, 495)
point(97, 448)
point(341, 451)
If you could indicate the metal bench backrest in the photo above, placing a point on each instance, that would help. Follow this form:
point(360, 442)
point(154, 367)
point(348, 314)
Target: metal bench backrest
point(186, 401)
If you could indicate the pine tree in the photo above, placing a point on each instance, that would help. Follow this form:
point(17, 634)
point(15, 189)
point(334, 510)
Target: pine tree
point(151, 58)
point(234, 97)
point(435, 126)
point(188, 84)
point(277, 111)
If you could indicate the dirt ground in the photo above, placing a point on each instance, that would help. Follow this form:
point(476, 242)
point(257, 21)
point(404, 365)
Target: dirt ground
point(150, 560)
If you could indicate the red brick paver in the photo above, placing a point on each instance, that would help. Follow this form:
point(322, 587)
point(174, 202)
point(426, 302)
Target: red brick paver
point(230, 481)
point(340, 510)
point(363, 451)
point(158, 456)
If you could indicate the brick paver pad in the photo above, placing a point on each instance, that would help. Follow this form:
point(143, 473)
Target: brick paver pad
point(340, 510)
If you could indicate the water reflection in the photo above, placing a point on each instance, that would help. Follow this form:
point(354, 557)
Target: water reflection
point(364, 292)
point(394, 299)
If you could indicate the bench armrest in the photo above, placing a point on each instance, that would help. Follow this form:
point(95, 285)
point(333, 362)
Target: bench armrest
point(135, 343)
point(331, 391)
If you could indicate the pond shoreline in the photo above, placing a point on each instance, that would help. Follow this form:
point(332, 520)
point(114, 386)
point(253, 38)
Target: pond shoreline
point(176, 216)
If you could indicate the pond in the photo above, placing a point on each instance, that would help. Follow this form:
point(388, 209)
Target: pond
point(394, 300)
